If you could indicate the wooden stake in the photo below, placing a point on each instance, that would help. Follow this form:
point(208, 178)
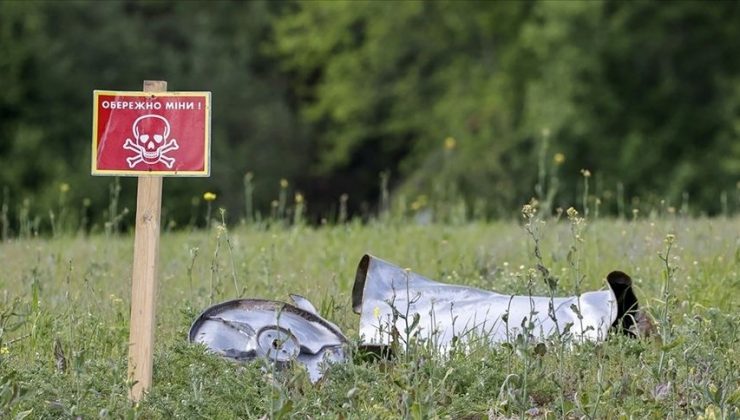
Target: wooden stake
point(144, 275)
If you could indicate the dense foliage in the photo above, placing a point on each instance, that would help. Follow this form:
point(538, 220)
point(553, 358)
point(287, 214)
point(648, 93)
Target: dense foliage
point(469, 100)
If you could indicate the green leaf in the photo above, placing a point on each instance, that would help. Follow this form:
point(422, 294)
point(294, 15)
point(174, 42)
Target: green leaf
point(23, 414)
point(673, 344)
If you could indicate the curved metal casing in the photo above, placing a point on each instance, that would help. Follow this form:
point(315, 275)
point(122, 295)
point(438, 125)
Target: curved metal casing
point(388, 299)
point(246, 329)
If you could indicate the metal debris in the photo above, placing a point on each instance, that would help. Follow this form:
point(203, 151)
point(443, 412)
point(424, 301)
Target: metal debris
point(396, 304)
point(246, 329)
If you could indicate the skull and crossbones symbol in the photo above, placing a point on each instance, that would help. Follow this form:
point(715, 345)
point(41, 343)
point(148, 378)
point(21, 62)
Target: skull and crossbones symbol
point(151, 145)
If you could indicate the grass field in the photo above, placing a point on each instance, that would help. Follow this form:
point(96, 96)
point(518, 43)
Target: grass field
point(64, 317)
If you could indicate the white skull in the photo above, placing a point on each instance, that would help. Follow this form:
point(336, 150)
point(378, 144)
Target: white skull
point(151, 132)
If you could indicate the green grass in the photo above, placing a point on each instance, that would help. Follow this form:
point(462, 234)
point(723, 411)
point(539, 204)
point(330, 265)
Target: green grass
point(74, 291)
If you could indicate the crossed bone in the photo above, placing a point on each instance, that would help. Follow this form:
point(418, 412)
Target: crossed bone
point(135, 147)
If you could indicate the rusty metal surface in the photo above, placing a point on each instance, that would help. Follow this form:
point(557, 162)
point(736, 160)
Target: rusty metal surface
point(395, 304)
point(247, 329)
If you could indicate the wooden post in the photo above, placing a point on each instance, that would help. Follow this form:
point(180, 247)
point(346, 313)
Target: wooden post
point(144, 275)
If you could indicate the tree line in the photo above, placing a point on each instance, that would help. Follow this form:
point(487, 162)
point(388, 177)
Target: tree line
point(483, 103)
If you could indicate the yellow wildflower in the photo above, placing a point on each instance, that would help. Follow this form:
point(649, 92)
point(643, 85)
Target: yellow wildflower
point(559, 158)
point(450, 143)
point(63, 187)
point(419, 203)
point(209, 196)
point(4, 351)
point(298, 198)
point(283, 183)
point(586, 173)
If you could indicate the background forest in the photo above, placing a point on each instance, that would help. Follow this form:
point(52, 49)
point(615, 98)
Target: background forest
point(485, 104)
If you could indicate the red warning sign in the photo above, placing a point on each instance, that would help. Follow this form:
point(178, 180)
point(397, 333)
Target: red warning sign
point(139, 133)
